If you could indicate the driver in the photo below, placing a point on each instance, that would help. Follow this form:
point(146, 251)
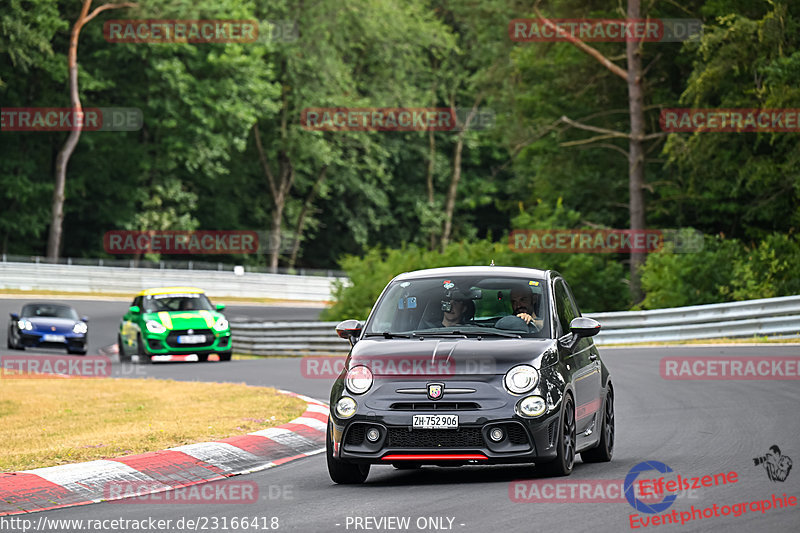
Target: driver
point(524, 304)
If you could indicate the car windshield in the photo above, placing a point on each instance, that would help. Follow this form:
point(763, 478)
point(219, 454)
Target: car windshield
point(176, 302)
point(49, 311)
point(465, 305)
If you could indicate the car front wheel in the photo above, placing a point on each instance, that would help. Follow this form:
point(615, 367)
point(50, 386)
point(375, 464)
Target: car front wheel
point(144, 357)
point(565, 443)
point(341, 472)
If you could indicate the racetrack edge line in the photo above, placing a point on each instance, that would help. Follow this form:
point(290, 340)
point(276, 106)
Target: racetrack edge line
point(76, 484)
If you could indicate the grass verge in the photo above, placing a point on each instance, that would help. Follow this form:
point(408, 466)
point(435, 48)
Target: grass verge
point(47, 422)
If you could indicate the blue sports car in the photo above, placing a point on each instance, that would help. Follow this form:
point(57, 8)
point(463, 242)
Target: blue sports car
point(44, 325)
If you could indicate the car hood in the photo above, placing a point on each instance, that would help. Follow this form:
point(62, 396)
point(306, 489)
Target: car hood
point(185, 319)
point(46, 324)
point(444, 355)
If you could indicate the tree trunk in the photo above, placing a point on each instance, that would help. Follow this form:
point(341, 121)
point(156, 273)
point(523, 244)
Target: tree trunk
point(301, 219)
point(57, 209)
point(429, 180)
point(453, 189)
point(636, 150)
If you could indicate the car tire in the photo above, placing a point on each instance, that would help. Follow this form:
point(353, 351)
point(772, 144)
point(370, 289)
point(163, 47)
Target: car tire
point(144, 357)
point(565, 443)
point(225, 356)
point(76, 352)
point(604, 450)
point(202, 358)
point(341, 472)
point(121, 350)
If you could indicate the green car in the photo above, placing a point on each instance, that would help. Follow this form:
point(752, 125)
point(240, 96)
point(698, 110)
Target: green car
point(166, 322)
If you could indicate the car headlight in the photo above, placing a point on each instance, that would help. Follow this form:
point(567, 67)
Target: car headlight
point(358, 379)
point(221, 325)
point(521, 379)
point(80, 328)
point(345, 407)
point(25, 324)
point(532, 406)
point(155, 327)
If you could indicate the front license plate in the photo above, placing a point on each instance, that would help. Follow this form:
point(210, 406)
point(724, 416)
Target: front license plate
point(435, 421)
point(191, 339)
point(54, 338)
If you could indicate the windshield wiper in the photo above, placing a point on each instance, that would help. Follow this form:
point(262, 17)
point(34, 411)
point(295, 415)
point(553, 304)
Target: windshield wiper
point(388, 335)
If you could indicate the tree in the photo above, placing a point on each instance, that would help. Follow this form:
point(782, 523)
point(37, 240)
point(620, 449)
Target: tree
point(62, 160)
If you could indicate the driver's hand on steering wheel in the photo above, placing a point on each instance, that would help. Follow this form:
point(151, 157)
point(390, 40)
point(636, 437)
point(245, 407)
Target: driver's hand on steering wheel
point(526, 317)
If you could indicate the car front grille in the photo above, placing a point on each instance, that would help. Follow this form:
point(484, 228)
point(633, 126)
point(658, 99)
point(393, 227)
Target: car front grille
point(435, 438)
point(435, 406)
point(172, 338)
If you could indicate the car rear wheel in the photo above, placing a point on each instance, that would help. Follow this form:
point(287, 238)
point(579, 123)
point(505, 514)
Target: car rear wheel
point(605, 448)
point(565, 443)
point(341, 472)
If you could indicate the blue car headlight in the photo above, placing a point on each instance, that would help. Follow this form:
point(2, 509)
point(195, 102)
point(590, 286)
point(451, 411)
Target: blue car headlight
point(24, 324)
point(80, 328)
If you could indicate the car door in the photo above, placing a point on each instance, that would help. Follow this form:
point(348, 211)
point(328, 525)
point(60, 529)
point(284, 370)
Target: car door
point(581, 358)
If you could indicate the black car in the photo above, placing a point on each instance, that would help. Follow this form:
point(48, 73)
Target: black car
point(471, 365)
point(48, 325)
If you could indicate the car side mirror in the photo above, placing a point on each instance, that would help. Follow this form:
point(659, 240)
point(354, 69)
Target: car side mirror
point(85, 318)
point(220, 307)
point(134, 309)
point(350, 330)
point(584, 327)
point(15, 316)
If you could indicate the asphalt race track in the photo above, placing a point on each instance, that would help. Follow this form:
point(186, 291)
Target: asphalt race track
point(698, 428)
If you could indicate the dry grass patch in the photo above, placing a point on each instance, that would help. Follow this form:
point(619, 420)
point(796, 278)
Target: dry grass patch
point(46, 422)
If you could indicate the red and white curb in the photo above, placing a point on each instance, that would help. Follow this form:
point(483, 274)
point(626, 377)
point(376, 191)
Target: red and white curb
point(84, 483)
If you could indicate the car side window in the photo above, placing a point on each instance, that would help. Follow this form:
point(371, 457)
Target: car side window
point(576, 312)
point(137, 301)
point(564, 308)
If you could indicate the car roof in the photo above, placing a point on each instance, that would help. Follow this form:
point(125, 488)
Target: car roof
point(170, 290)
point(474, 270)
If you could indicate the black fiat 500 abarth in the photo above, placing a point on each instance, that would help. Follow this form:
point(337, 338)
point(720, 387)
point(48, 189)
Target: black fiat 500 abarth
point(471, 365)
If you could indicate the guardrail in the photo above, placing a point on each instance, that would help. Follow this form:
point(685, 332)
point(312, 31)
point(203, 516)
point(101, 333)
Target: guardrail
point(774, 317)
point(100, 280)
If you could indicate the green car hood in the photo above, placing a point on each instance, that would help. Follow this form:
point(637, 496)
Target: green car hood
point(185, 319)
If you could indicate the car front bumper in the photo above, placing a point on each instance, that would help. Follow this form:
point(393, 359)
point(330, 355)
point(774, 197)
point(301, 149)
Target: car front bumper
point(72, 341)
point(165, 343)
